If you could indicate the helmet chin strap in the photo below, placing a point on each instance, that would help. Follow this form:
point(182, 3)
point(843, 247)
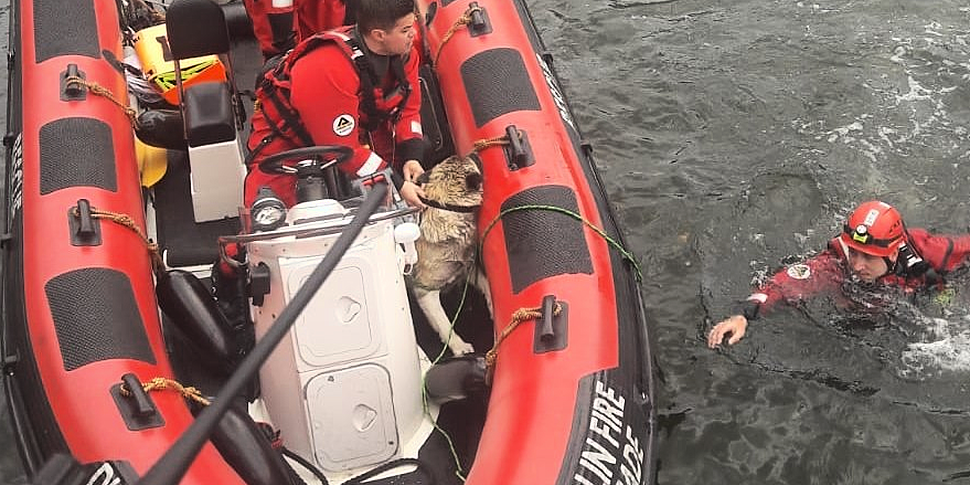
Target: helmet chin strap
point(845, 248)
point(890, 265)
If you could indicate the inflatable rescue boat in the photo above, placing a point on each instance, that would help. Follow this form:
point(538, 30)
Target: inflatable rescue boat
point(122, 332)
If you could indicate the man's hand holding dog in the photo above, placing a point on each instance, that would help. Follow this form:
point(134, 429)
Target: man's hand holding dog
point(410, 190)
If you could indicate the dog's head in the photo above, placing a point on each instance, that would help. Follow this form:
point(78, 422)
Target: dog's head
point(456, 181)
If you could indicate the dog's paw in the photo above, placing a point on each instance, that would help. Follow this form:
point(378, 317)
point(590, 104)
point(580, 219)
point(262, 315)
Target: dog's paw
point(460, 347)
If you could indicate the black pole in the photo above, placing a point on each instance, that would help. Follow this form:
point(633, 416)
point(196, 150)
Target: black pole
point(171, 467)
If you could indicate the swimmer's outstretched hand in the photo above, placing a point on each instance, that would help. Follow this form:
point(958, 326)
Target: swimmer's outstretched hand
point(733, 326)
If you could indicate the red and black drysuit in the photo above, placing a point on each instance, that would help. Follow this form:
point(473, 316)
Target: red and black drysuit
point(825, 273)
point(330, 91)
point(278, 29)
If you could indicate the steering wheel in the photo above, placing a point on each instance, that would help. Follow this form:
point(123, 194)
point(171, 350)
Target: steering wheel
point(323, 156)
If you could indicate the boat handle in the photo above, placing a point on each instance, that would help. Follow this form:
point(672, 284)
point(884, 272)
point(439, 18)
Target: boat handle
point(548, 308)
point(480, 24)
point(85, 221)
point(478, 20)
point(82, 225)
point(71, 89)
point(143, 405)
point(552, 328)
point(519, 148)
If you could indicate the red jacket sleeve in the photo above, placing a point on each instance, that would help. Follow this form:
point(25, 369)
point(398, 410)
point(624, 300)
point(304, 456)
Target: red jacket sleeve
point(324, 92)
point(408, 134)
point(958, 255)
point(821, 274)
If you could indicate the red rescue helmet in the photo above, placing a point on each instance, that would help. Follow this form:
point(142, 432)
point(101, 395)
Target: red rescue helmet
point(874, 228)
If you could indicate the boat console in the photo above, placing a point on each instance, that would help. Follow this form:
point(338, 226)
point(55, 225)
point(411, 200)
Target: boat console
point(344, 386)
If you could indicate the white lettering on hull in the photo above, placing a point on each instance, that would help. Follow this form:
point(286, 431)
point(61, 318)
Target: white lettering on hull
point(557, 96)
point(104, 475)
point(16, 177)
point(609, 442)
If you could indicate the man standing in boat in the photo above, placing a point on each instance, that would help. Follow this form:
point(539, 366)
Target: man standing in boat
point(875, 249)
point(280, 24)
point(355, 86)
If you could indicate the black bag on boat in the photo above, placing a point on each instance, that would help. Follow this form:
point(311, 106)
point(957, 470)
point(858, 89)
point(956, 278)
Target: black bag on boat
point(161, 128)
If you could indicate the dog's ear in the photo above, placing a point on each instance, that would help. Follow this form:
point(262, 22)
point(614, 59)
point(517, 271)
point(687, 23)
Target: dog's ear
point(473, 181)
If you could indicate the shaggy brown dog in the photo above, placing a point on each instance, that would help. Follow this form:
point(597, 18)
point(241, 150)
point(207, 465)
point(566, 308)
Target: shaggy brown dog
point(448, 242)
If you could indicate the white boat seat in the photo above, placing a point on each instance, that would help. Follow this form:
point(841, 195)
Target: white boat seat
point(198, 28)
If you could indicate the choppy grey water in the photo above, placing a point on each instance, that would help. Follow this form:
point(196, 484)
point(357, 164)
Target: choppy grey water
point(733, 136)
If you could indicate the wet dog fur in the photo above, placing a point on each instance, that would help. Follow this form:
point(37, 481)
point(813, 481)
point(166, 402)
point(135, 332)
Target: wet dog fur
point(448, 242)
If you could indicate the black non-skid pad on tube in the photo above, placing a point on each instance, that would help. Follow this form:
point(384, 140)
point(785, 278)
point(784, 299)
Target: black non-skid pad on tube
point(497, 83)
point(76, 152)
point(541, 243)
point(96, 317)
point(65, 27)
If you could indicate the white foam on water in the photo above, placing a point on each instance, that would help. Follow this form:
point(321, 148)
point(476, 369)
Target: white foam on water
point(843, 131)
point(944, 348)
point(899, 52)
point(916, 92)
point(876, 135)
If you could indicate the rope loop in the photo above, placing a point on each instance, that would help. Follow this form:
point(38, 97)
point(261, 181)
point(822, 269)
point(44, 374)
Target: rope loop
point(164, 383)
point(480, 145)
point(465, 19)
point(99, 90)
point(519, 316)
point(158, 264)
